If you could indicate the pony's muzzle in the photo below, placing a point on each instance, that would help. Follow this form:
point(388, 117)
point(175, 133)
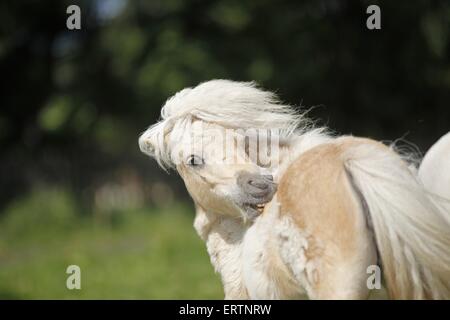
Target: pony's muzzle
point(256, 191)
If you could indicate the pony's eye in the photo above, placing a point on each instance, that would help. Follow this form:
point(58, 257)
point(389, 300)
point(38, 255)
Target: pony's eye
point(195, 161)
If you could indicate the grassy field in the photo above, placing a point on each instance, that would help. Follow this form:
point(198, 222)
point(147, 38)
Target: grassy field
point(138, 254)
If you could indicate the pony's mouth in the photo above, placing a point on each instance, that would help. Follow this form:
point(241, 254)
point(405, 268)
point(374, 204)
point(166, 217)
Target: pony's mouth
point(254, 210)
point(255, 191)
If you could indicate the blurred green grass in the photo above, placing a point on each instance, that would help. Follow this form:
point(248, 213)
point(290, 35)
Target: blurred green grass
point(137, 254)
point(133, 254)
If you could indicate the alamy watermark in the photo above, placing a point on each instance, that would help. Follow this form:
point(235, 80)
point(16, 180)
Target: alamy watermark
point(373, 22)
point(73, 21)
point(74, 279)
point(374, 278)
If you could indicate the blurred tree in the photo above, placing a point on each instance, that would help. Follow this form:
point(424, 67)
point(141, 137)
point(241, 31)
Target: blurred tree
point(74, 102)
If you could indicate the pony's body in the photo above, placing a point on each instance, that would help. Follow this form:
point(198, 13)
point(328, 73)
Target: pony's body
point(339, 202)
point(287, 252)
point(434, 170)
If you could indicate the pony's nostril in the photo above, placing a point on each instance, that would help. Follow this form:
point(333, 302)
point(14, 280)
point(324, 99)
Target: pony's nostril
point(260, 184)
point(256, 185)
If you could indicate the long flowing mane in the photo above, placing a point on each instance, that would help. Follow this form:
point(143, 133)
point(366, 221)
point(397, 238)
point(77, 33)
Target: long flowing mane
point(231, 104)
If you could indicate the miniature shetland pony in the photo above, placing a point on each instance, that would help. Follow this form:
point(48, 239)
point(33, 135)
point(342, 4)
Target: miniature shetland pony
point(304, 213)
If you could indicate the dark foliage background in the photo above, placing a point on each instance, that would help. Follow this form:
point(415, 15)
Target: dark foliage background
point(73, 103)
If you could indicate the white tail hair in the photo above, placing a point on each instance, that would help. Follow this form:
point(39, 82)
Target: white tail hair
point(411, 226)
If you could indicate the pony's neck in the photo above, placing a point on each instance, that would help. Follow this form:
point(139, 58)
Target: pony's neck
point(296, 146)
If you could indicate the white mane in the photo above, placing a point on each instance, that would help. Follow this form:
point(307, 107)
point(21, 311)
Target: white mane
point(227, 103)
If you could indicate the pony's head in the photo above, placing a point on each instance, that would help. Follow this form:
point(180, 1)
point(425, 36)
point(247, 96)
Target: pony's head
point(224, 138)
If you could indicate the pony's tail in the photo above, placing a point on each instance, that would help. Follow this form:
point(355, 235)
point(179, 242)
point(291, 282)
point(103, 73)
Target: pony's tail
point(411, 227)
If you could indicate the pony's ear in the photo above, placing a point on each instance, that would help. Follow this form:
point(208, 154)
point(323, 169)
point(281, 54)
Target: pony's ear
point(150, 143)
point(145, 143)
